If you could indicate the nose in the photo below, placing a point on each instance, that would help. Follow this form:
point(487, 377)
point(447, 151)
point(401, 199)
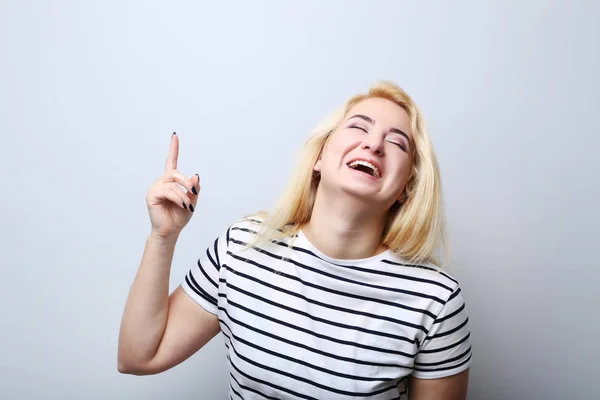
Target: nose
point(374, 144)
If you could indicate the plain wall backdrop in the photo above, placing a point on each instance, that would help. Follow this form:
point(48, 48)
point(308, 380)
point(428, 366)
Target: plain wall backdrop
point(90, 93)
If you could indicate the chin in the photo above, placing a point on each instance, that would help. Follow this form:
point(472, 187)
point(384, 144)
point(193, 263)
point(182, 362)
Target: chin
point(362, 193)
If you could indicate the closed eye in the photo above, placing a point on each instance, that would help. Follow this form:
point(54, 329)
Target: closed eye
point(399, 144)
point(359, 127)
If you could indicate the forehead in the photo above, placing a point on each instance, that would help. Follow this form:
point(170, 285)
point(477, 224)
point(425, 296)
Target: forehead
point(385, 113)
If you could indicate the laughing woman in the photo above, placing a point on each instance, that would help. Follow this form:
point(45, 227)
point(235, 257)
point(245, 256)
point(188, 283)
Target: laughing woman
point(336, 293)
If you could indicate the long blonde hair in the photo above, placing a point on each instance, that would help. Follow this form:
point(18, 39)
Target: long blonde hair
point(415, 229)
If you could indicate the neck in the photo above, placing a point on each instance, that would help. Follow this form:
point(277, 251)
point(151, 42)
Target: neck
point(345, 228)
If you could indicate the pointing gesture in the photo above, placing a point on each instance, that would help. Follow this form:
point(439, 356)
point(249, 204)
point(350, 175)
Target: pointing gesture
point(173, 154)
point(171, 199)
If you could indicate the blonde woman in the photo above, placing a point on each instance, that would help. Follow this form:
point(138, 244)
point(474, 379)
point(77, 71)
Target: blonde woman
point(334, 294)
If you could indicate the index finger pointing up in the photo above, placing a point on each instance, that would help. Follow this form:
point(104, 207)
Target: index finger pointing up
point(173, 153)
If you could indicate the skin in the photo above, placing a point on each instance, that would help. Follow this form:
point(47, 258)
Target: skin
point(350, 208)
point(159, 331)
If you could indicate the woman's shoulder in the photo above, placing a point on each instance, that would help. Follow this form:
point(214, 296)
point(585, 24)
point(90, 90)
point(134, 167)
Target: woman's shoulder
point(249, 221)
point(424, 271)
point(243, 228)
point(252, 228)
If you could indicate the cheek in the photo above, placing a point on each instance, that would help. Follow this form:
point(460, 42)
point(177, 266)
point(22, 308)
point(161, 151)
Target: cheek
point(402, 174)
point(332, 152)
point(341, 143)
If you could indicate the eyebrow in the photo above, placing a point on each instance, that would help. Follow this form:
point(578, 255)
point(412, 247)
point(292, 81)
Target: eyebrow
point(368, 119)
point(372, 121)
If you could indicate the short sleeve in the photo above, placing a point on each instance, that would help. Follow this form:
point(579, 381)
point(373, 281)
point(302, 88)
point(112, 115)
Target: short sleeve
point(201, 282)
point(446, 350)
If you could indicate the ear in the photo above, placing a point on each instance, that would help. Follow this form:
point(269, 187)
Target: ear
point(402, 197)
point(317, 167)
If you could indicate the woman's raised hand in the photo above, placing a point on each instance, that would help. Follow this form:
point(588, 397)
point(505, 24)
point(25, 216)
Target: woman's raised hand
point(171, 200)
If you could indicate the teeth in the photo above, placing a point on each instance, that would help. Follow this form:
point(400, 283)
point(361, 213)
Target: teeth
point(366, 164)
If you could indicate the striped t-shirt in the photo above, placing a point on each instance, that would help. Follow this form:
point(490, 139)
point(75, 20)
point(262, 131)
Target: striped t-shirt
point(300, 325)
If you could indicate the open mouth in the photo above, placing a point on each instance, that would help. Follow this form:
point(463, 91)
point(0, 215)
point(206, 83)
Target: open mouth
point(366, 167)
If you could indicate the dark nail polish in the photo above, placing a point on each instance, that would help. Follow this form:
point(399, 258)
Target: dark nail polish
point(194, 190)
point(174, 133)
point(191, 208)
point(183, 204)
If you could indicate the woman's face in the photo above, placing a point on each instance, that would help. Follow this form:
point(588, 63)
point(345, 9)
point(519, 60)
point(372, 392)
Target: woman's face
point(369, 155)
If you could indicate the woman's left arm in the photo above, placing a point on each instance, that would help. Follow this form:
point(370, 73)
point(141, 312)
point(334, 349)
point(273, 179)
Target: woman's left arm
point(441, 367)
point(449, 388)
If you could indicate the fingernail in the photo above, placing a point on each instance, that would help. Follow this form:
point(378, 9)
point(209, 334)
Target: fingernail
point(174, 133)
point(194, 190)
point(191, 208)
point(183, 204)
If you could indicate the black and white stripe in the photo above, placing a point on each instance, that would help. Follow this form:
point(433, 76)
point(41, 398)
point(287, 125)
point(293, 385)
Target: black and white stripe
point(300, 325)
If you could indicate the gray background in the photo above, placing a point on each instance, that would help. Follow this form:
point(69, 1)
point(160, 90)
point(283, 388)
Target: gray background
point(91, 91)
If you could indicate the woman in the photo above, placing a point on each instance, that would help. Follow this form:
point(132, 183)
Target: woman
point(335, 293)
